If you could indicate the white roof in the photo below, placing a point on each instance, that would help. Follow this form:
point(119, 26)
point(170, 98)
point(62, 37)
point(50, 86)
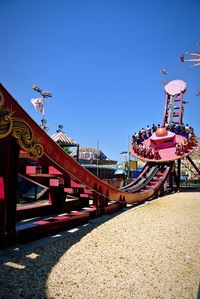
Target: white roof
point(61, 138)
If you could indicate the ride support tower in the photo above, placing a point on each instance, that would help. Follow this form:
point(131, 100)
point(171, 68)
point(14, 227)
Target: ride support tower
point(171, 141)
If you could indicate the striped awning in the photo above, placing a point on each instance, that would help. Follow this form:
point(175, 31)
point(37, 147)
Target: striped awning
point(62, 139)
point(89, 154)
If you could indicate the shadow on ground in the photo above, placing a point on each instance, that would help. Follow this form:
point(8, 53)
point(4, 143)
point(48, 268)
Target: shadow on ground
point(24, 270)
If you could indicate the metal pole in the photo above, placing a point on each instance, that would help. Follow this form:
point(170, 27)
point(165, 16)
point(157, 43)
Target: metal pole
point(43, 122)
point(97, 159)
point(128, 153)
point(44, 94)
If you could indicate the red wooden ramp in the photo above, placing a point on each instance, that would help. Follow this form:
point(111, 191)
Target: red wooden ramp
point(151, 175)
point(18, 132)
point(53, 155)
point(37, 228)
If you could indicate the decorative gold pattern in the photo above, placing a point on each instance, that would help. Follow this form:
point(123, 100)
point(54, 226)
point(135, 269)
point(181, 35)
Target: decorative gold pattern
point(1, 99)
point(5, 119)
point(5, 122)
point(19, 129)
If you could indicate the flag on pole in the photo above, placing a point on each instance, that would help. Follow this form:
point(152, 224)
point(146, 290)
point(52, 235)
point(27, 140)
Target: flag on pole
point(164, 71)
point(38, 104)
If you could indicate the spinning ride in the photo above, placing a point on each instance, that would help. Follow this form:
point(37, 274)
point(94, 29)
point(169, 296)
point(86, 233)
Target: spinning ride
point(164, 144)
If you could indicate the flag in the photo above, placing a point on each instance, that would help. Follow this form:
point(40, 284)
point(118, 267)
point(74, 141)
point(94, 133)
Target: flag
point(182, 58)
point(164, 71)
point(38, 104)
point(163, 82)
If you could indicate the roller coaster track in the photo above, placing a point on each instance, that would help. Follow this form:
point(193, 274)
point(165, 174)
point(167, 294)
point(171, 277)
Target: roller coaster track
point(147, 173)
point(53, 155)
point(147, 178)
point(23, 143)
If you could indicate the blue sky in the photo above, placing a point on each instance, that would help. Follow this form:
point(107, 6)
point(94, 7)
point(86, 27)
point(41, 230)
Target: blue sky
point(101, 60)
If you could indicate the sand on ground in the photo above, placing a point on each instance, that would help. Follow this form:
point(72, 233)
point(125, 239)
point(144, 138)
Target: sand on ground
point(151, 251)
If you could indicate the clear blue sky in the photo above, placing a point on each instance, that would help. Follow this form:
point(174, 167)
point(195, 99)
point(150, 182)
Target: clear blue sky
point(101, 59)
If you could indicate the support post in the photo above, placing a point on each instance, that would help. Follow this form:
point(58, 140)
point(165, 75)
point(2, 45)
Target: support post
point(193, 164)
point(9, 171)
point(178, 173)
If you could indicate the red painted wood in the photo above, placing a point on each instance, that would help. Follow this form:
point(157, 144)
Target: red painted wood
point(60, 164)
point(69, 190)
point(30, 169)
point(54, 182)
point(2, 196)
point(75, 185)
point(56, 157)
point(53, 170)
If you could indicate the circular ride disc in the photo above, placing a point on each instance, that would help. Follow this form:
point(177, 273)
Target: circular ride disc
point(175, 87)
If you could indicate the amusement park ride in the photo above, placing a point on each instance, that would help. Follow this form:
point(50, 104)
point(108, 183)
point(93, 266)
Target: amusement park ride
point(28, 152)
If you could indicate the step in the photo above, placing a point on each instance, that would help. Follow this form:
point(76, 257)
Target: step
point(76, 185)
point(46, 226)
point(53, 170)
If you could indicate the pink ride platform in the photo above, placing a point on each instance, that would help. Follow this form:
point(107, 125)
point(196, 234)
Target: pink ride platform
point(161, 141)
point(165, 143)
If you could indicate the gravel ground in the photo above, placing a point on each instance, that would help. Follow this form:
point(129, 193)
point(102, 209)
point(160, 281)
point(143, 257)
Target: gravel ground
point(152, 251)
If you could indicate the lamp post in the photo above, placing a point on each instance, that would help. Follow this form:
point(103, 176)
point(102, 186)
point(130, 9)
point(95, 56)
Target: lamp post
point(97, 158)
point(45, 94)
